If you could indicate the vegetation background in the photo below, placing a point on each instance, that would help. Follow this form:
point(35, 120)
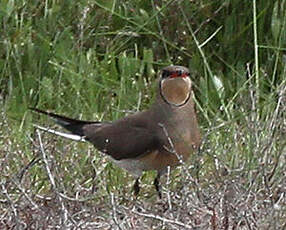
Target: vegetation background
point(97, 59)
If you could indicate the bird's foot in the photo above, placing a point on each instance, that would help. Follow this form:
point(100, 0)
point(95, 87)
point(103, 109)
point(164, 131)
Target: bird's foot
point(136, 187)
point(158, 187)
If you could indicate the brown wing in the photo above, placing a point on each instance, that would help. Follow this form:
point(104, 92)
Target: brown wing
point(127, 138)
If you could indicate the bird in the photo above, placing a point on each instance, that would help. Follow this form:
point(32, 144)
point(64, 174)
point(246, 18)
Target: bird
point(163, 136)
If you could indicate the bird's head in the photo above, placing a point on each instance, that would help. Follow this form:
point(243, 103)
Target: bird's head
point(175, 85)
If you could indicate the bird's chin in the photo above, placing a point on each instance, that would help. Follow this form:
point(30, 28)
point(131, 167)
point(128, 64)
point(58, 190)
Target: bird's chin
point(176, 91)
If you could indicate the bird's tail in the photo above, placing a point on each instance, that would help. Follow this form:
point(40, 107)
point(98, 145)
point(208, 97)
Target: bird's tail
point(72, 125)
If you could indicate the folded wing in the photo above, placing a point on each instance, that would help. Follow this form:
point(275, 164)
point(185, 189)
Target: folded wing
point(123, 139)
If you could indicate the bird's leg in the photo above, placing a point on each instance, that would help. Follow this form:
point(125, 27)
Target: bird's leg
point(136, 187)
point(157, 185)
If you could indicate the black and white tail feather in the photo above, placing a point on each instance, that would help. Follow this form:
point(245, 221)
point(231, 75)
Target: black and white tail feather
point(72, 125)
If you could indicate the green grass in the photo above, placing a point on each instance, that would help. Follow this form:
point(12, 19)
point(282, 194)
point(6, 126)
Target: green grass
point(98, 60)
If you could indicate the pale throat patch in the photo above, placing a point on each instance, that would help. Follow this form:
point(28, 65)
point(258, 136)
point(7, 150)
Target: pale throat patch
point(176, 91)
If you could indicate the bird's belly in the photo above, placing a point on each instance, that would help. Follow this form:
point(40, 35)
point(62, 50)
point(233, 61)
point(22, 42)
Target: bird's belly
point(133, 166)
point(151, 161)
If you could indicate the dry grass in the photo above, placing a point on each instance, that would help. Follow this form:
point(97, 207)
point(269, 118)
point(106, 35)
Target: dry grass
point(206, 193)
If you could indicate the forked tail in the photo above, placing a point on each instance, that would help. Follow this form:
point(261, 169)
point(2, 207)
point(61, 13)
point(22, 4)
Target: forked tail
point(72, 125)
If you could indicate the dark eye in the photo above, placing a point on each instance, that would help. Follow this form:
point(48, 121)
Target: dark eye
point(185, 74)
point(165, 74)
